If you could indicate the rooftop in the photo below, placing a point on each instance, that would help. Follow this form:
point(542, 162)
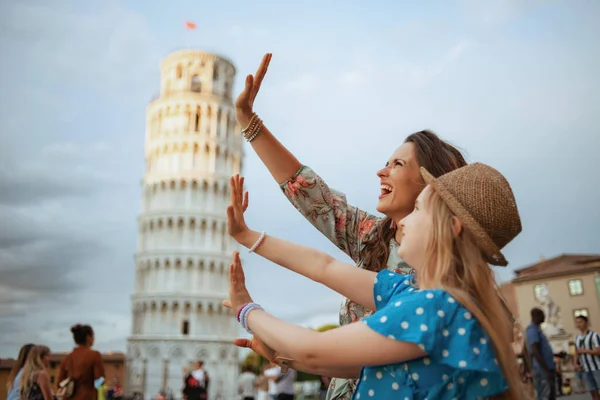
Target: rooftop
point(563, 265)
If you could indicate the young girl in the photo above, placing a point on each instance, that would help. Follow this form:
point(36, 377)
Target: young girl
point(431, 336)
point(35, 382)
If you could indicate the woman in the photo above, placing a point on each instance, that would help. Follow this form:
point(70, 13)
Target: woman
point(436, 333)
point(14, 376)
point(370, 241)
point(83, 365)
point(35, 382)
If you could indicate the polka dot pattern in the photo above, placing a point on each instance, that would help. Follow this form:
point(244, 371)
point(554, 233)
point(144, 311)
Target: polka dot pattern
point(460, 361)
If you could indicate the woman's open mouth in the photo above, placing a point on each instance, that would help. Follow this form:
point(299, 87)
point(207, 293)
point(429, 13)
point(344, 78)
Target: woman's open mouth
point(385, 190)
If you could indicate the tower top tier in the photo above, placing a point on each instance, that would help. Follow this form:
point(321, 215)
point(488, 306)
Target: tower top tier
point(194, 71)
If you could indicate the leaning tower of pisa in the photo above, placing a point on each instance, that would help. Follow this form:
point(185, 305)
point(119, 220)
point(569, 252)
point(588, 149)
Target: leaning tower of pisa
point(191, 150)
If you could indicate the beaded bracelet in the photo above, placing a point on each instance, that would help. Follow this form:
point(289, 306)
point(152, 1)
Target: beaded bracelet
point(254, 117)
point(258, 242)
point(243, 315)
point(255, 131)
point(251, 131)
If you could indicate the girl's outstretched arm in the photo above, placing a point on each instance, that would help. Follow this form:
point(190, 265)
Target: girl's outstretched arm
point(349, 281)
point(353, 283)
point(353, 345)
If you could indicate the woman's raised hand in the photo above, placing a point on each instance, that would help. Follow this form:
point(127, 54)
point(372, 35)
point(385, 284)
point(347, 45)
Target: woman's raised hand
point(238, 204)
point(245, 101)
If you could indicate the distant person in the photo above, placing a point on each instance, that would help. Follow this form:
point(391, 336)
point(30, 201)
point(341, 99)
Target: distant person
point(567, 389)
point(83, 365)
point(14, 376)
point(35, 382)
point(559, 374)
point(197, 382)
point(544, 369)
point(262, 384)
point(247, 383)
point(587, 361)
point(324, 387)
point(282, 386)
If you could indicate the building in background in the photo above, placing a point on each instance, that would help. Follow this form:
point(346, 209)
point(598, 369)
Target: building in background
point(181, 266)
point(564, 287)
point(114, 368)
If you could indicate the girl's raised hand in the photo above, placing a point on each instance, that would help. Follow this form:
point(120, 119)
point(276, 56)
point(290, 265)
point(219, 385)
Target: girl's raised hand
point(238, 205)
point(238, 293)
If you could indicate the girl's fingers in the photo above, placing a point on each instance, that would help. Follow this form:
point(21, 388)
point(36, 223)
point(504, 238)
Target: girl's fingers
point(245, 204)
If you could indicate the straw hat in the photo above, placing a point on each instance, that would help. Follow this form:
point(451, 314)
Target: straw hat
point(483, 201)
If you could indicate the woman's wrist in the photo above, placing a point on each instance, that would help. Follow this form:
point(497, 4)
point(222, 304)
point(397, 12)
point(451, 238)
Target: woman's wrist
point(244, 118)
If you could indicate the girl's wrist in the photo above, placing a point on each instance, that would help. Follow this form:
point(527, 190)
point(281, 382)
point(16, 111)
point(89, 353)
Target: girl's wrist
point(242, 236)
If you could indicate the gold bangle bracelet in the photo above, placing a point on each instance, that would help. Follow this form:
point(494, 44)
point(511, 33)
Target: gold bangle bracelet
point(251, 129)
point(256, 132)
point(254, 116)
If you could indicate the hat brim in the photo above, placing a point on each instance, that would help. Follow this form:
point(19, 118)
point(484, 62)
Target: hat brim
point(489, 249)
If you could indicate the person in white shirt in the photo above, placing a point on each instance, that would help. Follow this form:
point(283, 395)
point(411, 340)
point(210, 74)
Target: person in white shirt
point(247, 383)
point(262, 384)
point(587, 344)
point(281, 385)
point(196, 383)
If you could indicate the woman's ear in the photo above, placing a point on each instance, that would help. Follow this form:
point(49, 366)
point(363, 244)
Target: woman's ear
point(456, 227)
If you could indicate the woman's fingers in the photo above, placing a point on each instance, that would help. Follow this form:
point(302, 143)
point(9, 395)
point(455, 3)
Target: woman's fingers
point(259, 76)
point(243, 100)
point(226, 303)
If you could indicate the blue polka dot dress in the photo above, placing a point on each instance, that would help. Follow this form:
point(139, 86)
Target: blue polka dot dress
point(461, 363)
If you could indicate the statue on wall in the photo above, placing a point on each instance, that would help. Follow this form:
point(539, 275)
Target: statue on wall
point(553, 325)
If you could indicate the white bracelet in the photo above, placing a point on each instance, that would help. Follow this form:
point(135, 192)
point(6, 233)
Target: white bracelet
point(258, 242)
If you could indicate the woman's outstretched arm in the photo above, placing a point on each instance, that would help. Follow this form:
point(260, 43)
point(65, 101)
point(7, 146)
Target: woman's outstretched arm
point(280, 162)
point(349, 281)
point(325, 208)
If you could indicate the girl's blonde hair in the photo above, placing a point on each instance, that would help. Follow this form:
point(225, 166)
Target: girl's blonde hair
point(33, 365)
point(455, 263)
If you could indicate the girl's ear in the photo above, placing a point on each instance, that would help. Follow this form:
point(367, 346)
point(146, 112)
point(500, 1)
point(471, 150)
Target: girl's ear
point(456, 227)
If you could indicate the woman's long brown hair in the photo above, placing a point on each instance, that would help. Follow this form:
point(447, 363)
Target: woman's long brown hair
point(438, 157)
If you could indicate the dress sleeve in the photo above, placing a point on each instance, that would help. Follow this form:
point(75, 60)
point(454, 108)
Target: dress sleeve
point(388, 284)
point(328, 210)
point(447, 331)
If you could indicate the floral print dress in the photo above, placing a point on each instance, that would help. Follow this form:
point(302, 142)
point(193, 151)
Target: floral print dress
point(345, 226)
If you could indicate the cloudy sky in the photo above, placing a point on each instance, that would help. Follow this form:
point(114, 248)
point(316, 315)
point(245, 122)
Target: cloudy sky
point(513, 82)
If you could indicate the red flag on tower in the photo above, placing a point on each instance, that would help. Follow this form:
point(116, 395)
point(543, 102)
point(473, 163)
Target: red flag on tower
point(190, 25)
